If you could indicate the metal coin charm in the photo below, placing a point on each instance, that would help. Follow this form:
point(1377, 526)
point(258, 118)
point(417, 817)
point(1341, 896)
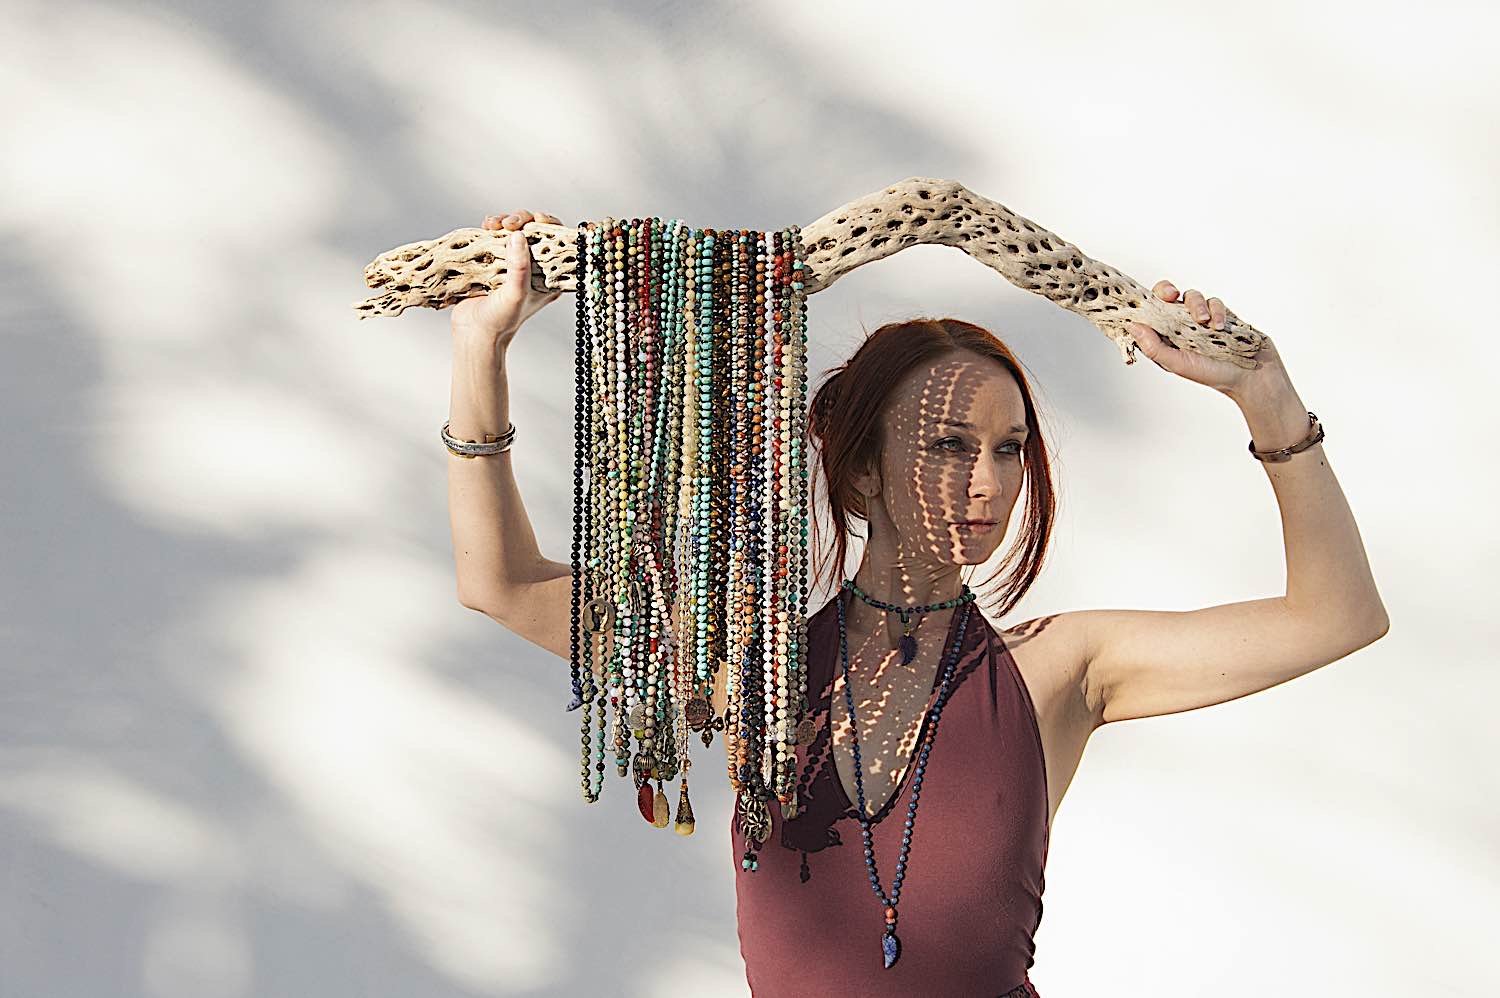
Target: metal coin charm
point(699, 712)
point(638, 720)
point(597, 616)
point(806, 731)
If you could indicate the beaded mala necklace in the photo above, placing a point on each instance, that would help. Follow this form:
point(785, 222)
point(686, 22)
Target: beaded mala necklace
point(689, 514)
point(890, 944)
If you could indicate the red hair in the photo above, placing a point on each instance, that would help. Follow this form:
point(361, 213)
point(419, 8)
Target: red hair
point(844, 423)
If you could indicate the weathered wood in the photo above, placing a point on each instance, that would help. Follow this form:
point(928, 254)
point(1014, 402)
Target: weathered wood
point(436, 273)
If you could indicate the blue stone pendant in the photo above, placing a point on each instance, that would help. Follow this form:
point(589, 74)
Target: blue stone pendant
point(891, 947)
point(575, 703)
point(908, 648)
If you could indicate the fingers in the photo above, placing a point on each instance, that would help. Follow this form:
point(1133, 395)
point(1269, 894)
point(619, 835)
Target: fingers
point(516, 219)
point(1216, 313)
point(1207, 311)
point(1196, 305)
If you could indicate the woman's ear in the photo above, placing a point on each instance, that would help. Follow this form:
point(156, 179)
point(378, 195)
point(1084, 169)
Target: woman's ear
point(867, 483)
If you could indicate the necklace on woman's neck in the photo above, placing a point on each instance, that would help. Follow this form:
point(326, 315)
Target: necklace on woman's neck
point(908, 642)
point(890, 945)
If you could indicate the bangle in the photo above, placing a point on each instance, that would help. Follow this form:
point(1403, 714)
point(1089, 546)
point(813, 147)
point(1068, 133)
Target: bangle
point(472, 448)
point(1314, 435)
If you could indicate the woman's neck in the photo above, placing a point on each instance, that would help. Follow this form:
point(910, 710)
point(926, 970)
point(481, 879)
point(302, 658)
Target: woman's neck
point(907, 589)
point(900, 589)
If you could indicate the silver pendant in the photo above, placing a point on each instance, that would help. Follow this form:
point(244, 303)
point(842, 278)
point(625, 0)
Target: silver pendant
point(755, 817)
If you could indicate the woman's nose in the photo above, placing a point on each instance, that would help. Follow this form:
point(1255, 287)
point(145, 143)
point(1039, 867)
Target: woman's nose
point(985, 478)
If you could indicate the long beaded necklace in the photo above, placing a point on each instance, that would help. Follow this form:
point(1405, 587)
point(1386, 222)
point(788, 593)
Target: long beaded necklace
point(890, 943)
point(690, 526)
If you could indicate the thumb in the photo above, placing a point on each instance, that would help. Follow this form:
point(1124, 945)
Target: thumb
point(1151, 344)
point(517, 267)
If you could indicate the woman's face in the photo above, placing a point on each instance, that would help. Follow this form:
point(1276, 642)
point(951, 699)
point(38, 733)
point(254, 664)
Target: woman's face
point(953, 437)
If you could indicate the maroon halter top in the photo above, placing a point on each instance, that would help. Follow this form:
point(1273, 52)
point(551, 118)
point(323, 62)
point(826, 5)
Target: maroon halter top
point(971, 899)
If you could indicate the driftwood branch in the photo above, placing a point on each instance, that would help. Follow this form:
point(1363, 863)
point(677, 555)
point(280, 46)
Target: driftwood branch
point(436, 273)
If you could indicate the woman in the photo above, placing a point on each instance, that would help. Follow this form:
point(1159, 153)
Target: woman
point(930, 436)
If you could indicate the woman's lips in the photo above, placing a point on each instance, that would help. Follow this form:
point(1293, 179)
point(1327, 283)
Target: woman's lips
point(977, 527)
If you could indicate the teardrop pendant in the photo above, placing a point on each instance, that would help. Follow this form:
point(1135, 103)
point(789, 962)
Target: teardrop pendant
point(645, 803)
point(662, 810)
point(890, 946)
point(908, 649)
point(685, 823)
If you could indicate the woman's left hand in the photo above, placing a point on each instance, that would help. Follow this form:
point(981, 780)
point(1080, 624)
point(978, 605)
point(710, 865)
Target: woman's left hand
point(1239, 383)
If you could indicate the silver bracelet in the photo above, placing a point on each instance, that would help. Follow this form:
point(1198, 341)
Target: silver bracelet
point(1314, 435)
point(471, 448)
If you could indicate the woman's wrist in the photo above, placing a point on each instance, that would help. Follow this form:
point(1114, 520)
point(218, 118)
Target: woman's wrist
point(476, 340)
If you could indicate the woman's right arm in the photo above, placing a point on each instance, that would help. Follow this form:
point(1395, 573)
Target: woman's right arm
point(501, 571)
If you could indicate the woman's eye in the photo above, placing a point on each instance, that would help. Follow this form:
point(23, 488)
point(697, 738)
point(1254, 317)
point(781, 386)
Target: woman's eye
point(954, 440)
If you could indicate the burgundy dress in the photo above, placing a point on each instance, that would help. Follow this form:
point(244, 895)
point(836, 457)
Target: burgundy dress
point(971, 899)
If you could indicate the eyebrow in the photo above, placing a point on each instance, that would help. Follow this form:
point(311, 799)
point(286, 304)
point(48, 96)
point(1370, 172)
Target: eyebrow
point(970, 426)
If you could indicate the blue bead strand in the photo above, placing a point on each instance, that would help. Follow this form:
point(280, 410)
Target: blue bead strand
point(890, 943)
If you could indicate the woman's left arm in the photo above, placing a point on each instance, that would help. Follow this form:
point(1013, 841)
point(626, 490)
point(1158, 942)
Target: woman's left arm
point(1145, 663)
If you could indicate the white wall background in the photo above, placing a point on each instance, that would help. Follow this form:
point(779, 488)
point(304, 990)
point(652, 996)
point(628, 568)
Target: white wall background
point(250, 744)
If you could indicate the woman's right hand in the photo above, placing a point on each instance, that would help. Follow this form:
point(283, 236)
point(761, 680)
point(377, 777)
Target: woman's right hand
point(498, 314)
